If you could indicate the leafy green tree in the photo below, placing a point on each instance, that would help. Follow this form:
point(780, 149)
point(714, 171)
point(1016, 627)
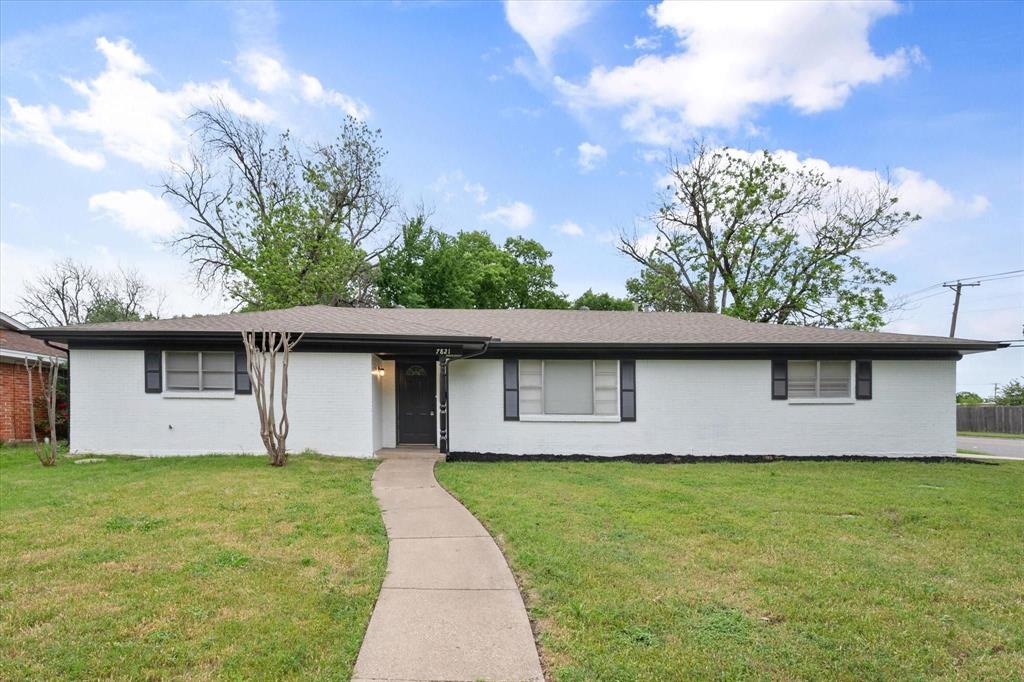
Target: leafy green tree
point(1012, 393)
point(279, 223)
point(968, 398)
point(658, 289)
point(751, 237)
point(604, 301)
point(428, 268)
point(531, 279)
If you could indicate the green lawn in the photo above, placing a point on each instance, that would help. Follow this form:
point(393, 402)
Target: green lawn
point(186, 567)
point(989, 434)
point(789, 570)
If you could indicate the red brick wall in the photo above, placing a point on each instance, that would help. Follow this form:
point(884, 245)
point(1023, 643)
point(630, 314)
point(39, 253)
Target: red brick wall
point(14, 418)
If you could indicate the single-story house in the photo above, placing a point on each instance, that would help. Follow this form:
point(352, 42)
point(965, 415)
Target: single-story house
point(516, 382)
point(16, 346)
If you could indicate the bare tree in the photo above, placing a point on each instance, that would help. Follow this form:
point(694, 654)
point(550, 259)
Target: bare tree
point(61, 295)
point(47, 450)
point(279, 223)
point(261, 354)
point(124, 295)
point(71, 292)
point(746, 235)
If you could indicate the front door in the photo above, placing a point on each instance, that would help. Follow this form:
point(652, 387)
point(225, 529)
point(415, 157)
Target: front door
point(417, 396)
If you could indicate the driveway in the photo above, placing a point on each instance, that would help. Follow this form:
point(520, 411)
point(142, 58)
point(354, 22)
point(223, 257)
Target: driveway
point(998, 447)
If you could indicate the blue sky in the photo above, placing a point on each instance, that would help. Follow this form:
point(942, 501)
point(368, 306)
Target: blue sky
point(544, 119)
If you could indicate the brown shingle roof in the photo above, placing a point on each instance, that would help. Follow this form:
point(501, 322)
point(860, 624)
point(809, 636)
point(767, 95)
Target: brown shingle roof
point(566, 327)
point(23, 343)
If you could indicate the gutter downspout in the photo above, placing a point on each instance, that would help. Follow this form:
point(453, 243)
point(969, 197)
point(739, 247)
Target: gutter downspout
point(66, 351)
point(445, 435)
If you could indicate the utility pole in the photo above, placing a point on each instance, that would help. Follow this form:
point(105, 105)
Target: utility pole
point(956, 302)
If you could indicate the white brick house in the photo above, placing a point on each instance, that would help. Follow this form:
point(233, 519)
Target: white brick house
point(517, 382)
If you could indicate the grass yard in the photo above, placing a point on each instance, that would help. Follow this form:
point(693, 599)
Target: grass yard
point(186, 567)
point(788, 570)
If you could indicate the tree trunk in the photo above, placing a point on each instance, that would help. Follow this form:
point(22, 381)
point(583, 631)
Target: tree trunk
point(261, 351)
point(47, 450)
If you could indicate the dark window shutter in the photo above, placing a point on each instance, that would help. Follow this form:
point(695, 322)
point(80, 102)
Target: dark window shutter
point(780, 379)
point(153, 373)
point(627, 390)
point(511, 390)
point(242, 383)
point(863, 380)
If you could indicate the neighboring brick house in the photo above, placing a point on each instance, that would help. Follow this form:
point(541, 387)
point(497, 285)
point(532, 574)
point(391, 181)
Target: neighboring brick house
point(15, 347)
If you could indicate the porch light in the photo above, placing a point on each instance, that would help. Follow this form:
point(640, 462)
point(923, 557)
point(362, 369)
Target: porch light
point(377, 372)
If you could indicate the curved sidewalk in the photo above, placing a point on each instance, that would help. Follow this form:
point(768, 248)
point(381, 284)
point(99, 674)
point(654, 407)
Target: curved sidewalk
point(449, 608)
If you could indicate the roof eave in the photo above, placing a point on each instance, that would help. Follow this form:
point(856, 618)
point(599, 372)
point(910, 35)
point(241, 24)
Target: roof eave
point(67, 335)
point(149, 336)
point(902, 346)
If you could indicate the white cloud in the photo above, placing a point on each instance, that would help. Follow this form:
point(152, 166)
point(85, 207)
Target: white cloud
point(270, 75)
point(448, 185)
point(263, 71)
point(314, 92)
point(138, 211)
point(477, 191)
point(590, 156)
point(515, 216)
point(128, 115)
point(734, 59)
point(35, 124)
point(543, 24)
point(652, 155)
point(645, 43)
point(569, 228)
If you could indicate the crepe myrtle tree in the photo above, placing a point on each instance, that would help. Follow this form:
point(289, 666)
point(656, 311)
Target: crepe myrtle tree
point(262, 349)
point(48, 371)
point(752, 237)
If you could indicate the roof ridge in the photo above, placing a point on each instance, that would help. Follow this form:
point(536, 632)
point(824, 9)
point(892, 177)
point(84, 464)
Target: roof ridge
point(418, 324)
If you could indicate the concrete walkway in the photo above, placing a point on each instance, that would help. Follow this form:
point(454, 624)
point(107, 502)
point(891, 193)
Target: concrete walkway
point(449, 608)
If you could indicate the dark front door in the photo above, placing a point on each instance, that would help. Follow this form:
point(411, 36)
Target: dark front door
point(417, 393)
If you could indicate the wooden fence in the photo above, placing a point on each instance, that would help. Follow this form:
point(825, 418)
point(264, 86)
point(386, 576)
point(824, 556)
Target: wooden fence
point(991, 418)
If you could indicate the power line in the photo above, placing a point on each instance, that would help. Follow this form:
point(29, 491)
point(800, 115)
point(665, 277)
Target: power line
point(994, 274)
point(997, 279)
point(1014, 273)
point(923, 298)
point(910, 300)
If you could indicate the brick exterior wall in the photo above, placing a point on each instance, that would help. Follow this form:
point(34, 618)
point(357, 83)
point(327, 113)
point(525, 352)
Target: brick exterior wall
point(14, 416)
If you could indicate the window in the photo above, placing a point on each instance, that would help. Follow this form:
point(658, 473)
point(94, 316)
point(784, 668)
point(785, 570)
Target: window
point(199, 371)
point(569, 387)
point(819, 379)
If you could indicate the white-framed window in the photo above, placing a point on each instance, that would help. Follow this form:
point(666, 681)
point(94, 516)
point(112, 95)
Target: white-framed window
point(199, 371)
point(820, 379)
point(569, 388)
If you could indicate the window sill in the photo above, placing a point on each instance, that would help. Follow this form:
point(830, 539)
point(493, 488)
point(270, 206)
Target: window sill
point(822, 401)
point(199, 395)
point(568, 418)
